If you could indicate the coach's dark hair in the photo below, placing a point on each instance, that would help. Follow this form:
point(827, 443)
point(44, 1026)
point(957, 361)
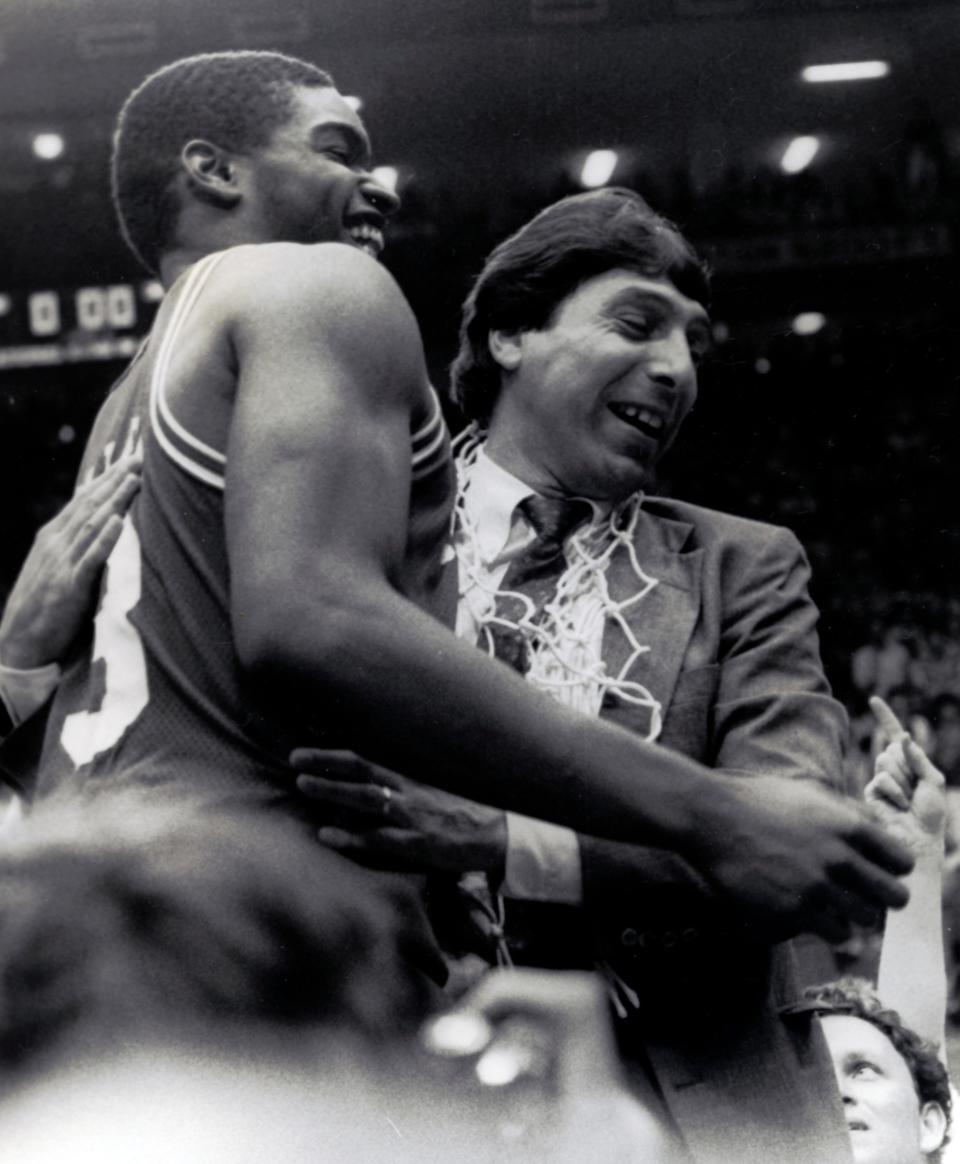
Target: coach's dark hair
point(233, 99)
point(853, 997)
point(529, 275)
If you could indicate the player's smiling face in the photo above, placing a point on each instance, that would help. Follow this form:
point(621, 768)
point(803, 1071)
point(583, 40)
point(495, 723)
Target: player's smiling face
point(311, 182)
point(886, 1122)
point(591, 402)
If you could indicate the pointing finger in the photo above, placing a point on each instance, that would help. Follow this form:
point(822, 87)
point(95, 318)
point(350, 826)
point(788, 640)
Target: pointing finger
point(887, 721)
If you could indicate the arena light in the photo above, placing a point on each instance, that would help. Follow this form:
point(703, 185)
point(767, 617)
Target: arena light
point(387, 176)
point(598, 168)
point(48, 146)
point(799, 154)
point(845, 71)
point(355, 103)
point(808, 323)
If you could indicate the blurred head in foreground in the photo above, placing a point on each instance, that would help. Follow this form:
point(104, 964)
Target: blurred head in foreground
point(125, 918)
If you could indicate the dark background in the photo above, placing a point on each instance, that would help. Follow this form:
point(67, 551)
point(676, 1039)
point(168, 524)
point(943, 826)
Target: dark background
point(488, 107)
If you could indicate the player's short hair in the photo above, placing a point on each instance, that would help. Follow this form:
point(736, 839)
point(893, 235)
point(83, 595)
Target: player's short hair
point(530, 274)
point(132, 916)
point(234, 99)
point(851, 996)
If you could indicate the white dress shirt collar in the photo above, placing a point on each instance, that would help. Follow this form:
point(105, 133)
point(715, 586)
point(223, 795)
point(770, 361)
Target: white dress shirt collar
point(490, 499)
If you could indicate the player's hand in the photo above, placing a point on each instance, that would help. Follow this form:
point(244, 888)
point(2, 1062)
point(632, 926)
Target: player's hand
point(384, 820)
point(907, 794)
point(57, 584)
point(798, 857)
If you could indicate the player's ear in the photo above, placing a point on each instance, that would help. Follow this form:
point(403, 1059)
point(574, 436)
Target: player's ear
point(211, 172)
point(506, 347)
point(933, 1127)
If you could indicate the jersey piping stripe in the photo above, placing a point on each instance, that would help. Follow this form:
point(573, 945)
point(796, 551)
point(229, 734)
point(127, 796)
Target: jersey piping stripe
point(432, 439)
point(189, 452)
point(180, 445)
point(424, 431)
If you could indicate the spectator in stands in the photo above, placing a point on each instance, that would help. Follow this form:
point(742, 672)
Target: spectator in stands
point(945, 717)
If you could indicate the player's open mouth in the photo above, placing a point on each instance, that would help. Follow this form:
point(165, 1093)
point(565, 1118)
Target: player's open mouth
point(644, 420)
point(367, 237)
point(857, 1126)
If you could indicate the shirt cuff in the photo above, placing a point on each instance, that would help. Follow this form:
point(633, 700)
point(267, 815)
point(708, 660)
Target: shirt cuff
point(23, 692)
point(543, 862)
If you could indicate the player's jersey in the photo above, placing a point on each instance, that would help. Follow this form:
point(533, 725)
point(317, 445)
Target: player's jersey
point(158, 694)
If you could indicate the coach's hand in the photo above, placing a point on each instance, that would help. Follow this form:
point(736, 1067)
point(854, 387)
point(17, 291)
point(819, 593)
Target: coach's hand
point(789, 852)
point(55, 589)
point(384, 820)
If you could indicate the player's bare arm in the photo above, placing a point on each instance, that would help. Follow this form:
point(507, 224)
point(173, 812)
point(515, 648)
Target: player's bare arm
point(316, 508)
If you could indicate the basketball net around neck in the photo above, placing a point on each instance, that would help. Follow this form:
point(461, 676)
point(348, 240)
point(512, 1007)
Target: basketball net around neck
point(562, 638)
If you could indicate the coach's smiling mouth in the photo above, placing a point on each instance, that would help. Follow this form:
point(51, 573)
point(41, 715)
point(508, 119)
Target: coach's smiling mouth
point(643, 419)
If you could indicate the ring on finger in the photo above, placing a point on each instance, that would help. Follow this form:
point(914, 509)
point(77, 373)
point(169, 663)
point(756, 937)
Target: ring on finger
point(387, 798)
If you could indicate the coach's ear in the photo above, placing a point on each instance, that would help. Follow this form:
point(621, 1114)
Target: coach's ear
point(211, 172)
point(506, 347)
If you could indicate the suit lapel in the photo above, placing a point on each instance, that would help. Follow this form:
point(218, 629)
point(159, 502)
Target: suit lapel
point(664, 618)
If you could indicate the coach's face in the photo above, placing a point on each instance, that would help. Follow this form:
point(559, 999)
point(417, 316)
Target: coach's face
point(590, 402)
point(887, 1125)
point(311, 182)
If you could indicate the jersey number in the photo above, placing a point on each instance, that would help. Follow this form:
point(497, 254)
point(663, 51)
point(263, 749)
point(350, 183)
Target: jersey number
point(88, 733)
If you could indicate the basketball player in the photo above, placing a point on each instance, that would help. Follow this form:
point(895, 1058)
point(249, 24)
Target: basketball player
point(283, 576)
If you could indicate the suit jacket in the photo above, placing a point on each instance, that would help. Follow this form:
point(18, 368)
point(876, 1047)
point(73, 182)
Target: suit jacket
point(734, 660)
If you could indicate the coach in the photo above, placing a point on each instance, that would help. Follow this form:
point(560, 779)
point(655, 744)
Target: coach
point(577, 366)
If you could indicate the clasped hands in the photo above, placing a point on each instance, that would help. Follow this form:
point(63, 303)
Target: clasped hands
point(795, 857)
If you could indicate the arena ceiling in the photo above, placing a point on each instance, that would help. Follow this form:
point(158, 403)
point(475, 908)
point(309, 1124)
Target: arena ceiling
point(483, 95)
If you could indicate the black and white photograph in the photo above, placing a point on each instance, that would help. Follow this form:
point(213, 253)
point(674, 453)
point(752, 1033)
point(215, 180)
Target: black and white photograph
point(479, 581)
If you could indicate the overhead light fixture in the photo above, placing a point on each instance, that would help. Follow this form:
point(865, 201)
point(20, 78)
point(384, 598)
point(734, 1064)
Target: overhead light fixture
point(846, 71)
point(48, 146)
point(151, 291)
point(355, 103)
point(799, 154)
point(808, 323)
point(598, 168)
point(387, 176)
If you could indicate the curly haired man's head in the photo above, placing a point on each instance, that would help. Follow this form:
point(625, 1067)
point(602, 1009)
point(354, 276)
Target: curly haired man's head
point(895, 1090)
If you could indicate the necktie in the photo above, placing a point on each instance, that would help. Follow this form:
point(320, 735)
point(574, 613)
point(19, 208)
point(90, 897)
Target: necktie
point(534, 572)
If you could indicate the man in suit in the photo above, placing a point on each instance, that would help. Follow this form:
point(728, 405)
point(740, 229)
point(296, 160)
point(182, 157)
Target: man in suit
point(577, 366)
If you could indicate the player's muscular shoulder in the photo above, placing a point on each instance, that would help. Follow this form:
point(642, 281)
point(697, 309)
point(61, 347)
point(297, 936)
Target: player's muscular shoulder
point(328, 302)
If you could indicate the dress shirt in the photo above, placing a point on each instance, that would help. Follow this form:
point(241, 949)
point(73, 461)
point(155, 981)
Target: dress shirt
point(543, 860)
